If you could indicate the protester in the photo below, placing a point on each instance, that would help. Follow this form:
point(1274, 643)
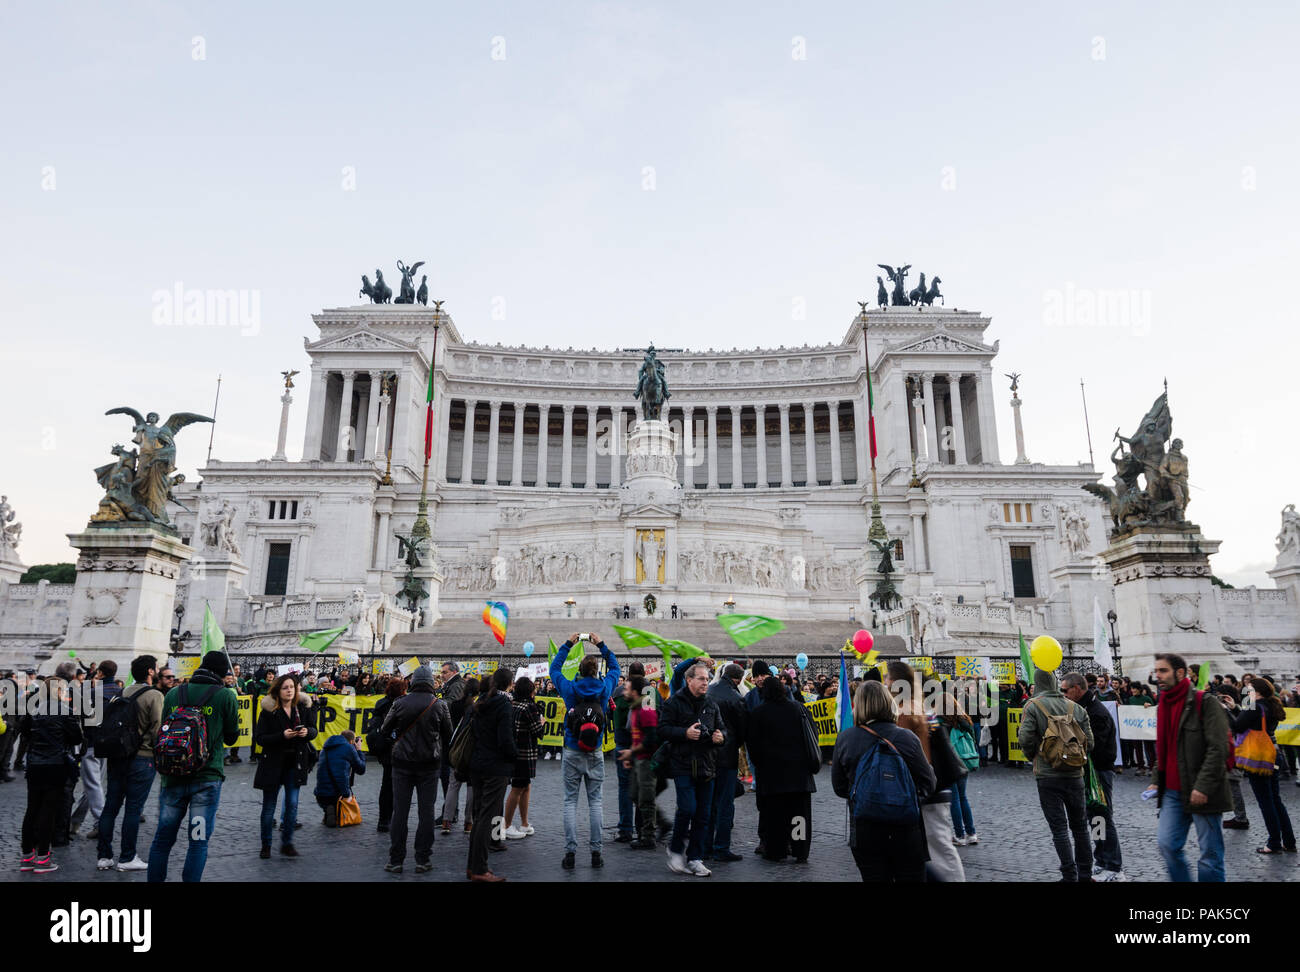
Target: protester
point(130, 769)
point(422, 722)
point(1106, 852)
point(395, 690)
point(193, 799)
point(776, 734)
point(491, 767)
point(528, 727)
point(94, 769)
point(1191, 771)
point(1227, 696)
point(586, 697)
point(457, 693)
point(1258, 763)
point(622, 740)
point(51, 738)
point(340, 758)
point(884, 852)
point(284, 733)
point(692, 725)
point(1060, 784)
point(722, 812)
point(643, 723)
point(961, 732)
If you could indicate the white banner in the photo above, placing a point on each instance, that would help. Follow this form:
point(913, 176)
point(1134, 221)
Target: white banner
point(1113, 709)
point(536, 671)
point(1137, 722)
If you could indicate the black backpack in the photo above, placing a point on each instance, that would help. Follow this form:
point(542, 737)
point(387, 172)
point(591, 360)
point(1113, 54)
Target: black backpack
point(119, 734)
point(586, 722)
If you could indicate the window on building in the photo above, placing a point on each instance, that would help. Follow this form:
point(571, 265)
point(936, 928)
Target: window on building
point(277, 569)
point(1022, 571)
point(898, 550)
point(1006, 512)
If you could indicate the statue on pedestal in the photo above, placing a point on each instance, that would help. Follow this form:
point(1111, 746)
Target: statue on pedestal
point(1164, 499)
point(899, 296)
point(11, 532)
point(138, 485)
point(407, 294)
point(885, 596)
point(1288, 538)
point(651, 386)
point(380, 293)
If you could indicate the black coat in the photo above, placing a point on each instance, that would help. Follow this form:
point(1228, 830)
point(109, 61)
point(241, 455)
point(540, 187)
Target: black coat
point(734, 713)
point(775, 737)
point(425, 730)
point(1103, 732)
point(694, 758)
point(493, 725)
point(279, 753)
point(51, 739)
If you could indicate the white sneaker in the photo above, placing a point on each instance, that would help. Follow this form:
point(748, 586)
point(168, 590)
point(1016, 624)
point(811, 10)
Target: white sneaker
point(104, 864)
point(135, 864)
point(972, 838)
point(677, 863)
point(1096, 869)
point(547, 756)
point(698, 869)
point(528, 831)
point(1109, 877)
point(959, 841)
point(514, 833)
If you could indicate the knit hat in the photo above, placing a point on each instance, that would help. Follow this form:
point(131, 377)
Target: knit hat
point(422, 676)
point(217, 663)
point(760, 668)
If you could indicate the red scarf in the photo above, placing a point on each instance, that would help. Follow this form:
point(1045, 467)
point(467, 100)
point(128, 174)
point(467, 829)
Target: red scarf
point(1169, 712)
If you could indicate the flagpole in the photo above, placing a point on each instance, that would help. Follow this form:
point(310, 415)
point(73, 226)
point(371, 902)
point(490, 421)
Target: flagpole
point(213, 430)
point(1086, 428)
point(877, 529)
point(421, 525)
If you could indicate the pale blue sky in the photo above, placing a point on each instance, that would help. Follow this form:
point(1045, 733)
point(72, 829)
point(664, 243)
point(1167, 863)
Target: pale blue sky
point(1166, 168)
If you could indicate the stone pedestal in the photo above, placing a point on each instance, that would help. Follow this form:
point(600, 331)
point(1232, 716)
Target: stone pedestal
point(432, 578)
point(10, 570)
point(212, 581)
point(1164, 599)
point(124, 593)
point(1287, 578)
point(651, 467)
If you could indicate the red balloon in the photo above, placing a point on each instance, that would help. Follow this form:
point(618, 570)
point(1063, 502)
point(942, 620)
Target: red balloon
point(862, 641)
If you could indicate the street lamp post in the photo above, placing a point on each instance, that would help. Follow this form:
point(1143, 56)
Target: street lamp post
point(729, 605)
point(569, 605)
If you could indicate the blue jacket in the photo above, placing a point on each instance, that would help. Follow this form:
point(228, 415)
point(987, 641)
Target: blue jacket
point(333, 774)
point(570, 690)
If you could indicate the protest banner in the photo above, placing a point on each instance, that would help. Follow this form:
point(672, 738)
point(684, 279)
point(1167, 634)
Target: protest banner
point(1288, 730)
point(186, 667)
point(408, 666)
point(1004, 671)
point(1013, 733)
point(1138, 722)
point(824, 712)
point(292, 668)
point(553, 711)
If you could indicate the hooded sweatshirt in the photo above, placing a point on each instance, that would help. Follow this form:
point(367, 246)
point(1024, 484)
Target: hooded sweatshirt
point(1048, 700)
point(221, 711)
point(570, 691)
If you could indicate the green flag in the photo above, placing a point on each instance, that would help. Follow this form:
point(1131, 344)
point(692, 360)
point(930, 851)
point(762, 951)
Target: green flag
point(636, 638)
point(1025, 659)
point(213, 638)
point(319, 640)
point(745, 629)
point(570, 667)
point(1203, 676)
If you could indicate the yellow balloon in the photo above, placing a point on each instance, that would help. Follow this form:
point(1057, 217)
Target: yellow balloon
point(1046, 653)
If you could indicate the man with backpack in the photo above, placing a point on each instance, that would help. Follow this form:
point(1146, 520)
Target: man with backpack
point(1191, 770)
point(415, 735)
point(199, 720)
point(1110, 863)
point(125, 739)
point(1055, 733)
point(586, 701)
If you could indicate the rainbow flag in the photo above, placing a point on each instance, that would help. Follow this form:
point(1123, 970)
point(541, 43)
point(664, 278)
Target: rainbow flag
point(495, 616)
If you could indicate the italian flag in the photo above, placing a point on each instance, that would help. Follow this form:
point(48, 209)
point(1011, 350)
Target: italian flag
point(428, 410)
point(871, 399)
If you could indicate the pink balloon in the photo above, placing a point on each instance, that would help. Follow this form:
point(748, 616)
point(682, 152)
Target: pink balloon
point(862, 641)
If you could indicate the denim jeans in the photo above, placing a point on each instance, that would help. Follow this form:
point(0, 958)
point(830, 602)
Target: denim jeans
point(1106, 850)
point(963, 821)
point(626, 821)
point(722, 812)
point(1276, 818)
point(200, 800)
point(1171, 835)
point(579, 766)
point(1062, 799)
point(269, 798)
point(694, 800)
point(129, 780)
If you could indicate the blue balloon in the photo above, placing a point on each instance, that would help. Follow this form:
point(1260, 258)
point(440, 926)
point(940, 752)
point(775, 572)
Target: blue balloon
point(801, 660)
point(529, 648)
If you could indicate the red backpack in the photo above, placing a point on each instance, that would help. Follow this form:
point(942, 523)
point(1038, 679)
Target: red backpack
point(182, 747)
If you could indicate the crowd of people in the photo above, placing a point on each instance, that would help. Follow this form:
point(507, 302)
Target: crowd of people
point(712, 731)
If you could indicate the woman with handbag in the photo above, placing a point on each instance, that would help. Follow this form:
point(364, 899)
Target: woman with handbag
point(339, 759)
point(284, 735)
point(1256, 755)
point(783, 745)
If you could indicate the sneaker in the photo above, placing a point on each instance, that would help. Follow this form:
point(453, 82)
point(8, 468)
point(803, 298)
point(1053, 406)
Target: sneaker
point(698, 869)
point(1111, 877)
point(568, 862)
point(135, 864)
point(972, 838)
point(677, 863)
point(393, 868)
point(29, 862)
point(515, 833)
point(43, 865)
point(424, 868)
point(547, 756)
point(528, 831)
point(1097, 869)
point(596, 860)
point(959, 841)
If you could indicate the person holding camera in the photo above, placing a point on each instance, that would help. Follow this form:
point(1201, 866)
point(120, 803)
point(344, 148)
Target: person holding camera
point(692, 725)
point(284, 735)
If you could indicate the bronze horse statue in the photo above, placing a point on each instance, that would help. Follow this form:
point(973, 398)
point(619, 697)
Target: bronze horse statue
point(380, 293)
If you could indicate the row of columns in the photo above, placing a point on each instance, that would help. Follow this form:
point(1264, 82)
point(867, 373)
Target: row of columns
point(924, 417)
point(688, 422)
point(374, 404)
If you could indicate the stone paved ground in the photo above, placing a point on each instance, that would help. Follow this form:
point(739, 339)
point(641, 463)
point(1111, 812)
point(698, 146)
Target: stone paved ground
point(1015, 844)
